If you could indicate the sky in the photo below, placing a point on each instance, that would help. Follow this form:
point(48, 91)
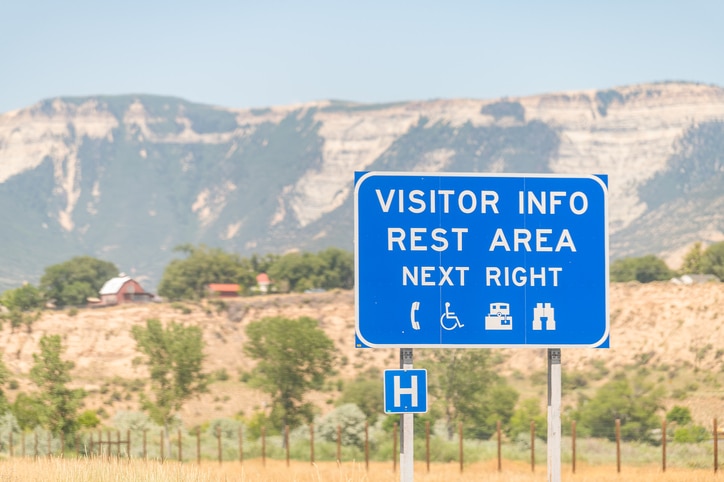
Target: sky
point(242, 54)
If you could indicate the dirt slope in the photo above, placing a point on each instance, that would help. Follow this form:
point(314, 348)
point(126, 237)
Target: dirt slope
point(666, 327)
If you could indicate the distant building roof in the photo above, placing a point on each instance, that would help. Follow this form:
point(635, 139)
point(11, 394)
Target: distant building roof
point(113, 285)
point(263, 278)
point(224, 287)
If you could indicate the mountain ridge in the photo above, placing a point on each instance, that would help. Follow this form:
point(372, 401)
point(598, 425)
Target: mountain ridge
point(127, 178)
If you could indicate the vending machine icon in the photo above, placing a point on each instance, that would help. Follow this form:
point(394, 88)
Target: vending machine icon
point(499, 317)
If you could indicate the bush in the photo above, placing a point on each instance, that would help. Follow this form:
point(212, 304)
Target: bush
point(351, 421)
point(88, 419)
point(691, 434)
point(644, 269)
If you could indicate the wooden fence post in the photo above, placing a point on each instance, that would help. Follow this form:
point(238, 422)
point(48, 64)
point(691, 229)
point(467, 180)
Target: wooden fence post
point(286, 441)
point(145, 452)
point(241, 444)
point(367, 445)
point(198, 445)
point(427, 445)
point(573, 445)
point(263, 446)
point(50, 439)
point(339, 444)
point(180, 447)
point(128, 444)
point(460, 438)
point(394, 447)
point(162, 443)
point(618, 445)
point(532, 446)
point(716, 447)
point(22, 441)
point(311, 443)
point(500, 451)
point(218, 443)
point(663, 445)
point(62, 444)
point(91, 445)
point(10, 443)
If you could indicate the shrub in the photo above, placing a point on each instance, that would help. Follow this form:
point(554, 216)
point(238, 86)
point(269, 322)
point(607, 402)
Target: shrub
point(351, 421)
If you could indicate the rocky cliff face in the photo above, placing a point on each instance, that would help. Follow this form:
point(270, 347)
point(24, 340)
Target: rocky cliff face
point(128, 178)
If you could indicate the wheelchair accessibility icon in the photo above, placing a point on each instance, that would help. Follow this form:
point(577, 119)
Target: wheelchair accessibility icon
point(449, 320)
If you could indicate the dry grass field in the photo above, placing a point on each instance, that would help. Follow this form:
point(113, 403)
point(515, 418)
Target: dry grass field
point(49, 470)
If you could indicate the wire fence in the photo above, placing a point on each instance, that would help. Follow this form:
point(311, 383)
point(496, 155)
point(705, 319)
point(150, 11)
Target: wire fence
point(222, 446)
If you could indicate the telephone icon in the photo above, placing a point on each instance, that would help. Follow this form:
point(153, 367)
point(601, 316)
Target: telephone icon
point(413, 311)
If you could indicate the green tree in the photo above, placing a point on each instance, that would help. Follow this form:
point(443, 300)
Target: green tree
point(469, 390)
point(338, 266)
point(366, 393)
point(188, 278)
point(529, 410)
point(633, 401)
point(24, 305)
point(27, 410)
point(644, 269)
point(293, 357)
point(693, 260)
point(24, 298)
point(4, 377)
point(74, 281)
point(174, 357)
point(58, 404)
point(297, 272)
point(680, 415)
point(713, 260)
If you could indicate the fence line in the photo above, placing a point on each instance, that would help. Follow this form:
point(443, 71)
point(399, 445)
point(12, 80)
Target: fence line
point(102, 444)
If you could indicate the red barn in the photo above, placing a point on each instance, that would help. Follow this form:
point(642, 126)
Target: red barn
point(123, 289)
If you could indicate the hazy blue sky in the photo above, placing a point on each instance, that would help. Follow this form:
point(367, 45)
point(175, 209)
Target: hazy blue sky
point(259, 53)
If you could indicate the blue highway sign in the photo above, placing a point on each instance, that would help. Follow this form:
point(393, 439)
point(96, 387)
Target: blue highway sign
point(481, 260)
point(405, 391)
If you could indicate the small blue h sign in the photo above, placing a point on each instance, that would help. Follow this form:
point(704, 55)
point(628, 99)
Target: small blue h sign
point(405, 391)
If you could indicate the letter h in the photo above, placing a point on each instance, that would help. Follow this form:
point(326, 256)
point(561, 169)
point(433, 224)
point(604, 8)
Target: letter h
point(399, 391)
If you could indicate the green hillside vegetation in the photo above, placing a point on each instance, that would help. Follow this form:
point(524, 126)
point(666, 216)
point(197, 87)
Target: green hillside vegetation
point(465, 385)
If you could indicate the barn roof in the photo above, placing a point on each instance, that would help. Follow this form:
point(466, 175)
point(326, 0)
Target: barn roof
point(113, 285)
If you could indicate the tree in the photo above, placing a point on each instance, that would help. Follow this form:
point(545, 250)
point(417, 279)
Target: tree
point(57, 403)
point(24, 305)
point(338, 269)
point(4, 376)
point(293, 357)
point(713, 260)
point(366, 393)
point(74, 281)
point(693, 260)
point(644, 269)
point(188, 278)
point(174, 357)
point(529, 410)
point(632, 401)
point(24, 298)
point(465, 383)
point(298, 271)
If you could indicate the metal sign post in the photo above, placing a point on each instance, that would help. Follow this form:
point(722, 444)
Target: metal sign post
point(554, 415)
point(407, 434)
point(479, 260)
